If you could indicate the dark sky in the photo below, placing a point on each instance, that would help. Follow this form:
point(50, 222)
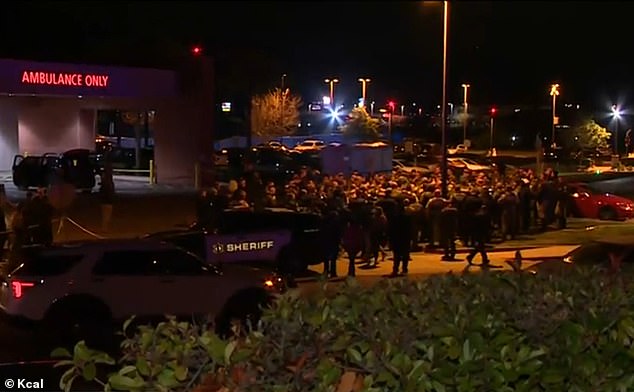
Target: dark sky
point(509, 51)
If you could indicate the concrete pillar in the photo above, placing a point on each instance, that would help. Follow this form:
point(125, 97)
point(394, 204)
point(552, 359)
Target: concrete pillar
point(183, 127)
point(8, 132)
point(87, 129)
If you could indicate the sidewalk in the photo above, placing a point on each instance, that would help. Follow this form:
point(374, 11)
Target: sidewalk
point(429, 263)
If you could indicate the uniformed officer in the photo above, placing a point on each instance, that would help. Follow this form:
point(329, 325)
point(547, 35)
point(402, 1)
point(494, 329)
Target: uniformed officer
point(480, 232)
point(399, 232)
point(472, 206)
point(332, 232)
point(508, 204)
point(449, 229)
point(434, 207)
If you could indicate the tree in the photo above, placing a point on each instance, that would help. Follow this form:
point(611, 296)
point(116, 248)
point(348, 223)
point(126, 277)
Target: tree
point(275, 113)
point(589, 135)
point(361, 126)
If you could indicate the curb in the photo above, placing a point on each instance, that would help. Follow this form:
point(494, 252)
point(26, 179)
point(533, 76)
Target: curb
point(489, 249)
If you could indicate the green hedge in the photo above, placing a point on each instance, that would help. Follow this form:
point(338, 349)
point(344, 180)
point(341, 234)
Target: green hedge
point(477, 332)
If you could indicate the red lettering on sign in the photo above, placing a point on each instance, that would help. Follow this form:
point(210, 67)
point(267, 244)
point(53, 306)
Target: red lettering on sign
point(64, 79)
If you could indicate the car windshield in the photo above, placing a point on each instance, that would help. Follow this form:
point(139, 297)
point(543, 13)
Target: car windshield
point(308, 143)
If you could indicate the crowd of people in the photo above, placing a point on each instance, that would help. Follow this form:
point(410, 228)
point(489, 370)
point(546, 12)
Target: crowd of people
point(405, 211)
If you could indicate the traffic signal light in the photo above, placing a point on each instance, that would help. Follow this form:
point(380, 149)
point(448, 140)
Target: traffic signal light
point(493, 112)
point(197, 50)
point(391, 105)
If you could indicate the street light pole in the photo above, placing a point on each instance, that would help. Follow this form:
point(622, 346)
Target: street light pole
point(332, 82)
point(491, 137)
point(444, 176)
point(554, 92)
point(616, 114)
point(364, 82)
point(282, 102)
point(465, 86)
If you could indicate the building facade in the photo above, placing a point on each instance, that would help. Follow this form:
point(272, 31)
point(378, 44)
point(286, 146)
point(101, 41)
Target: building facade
point(52, 108)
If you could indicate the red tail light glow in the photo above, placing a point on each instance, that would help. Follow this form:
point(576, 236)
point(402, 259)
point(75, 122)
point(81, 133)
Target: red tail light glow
point(18, 288)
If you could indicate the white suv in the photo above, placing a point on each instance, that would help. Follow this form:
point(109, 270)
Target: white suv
point(85, 285)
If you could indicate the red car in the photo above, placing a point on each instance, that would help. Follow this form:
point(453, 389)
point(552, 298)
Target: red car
point(590, 203)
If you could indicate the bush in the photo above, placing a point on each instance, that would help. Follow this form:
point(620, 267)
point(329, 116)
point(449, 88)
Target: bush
point(475, 332)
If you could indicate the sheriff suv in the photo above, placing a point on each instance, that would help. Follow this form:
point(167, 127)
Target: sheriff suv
point(76, 289)
point(283, 239)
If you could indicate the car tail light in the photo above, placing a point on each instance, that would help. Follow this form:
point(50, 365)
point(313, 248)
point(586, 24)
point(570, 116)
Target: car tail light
point(18, 287)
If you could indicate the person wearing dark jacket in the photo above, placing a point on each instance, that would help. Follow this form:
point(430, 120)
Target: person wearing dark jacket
point(448, 230)
point(399, 233)
point(352, 243)
point(480, 232)
point(204, 210)
point(332, 233)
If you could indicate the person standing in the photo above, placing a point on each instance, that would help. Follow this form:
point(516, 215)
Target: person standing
point(204, 209)
point(480, 232)
point(433, 207)
point(448, 230)
point(107, 193)
point(508, 203)
point(378, 228)
point(331, 232)
point(400, 230)
point(353, 243)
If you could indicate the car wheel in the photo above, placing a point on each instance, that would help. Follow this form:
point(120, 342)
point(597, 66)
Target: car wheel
point(607, 213)
point(73, 320)
point(242, 312)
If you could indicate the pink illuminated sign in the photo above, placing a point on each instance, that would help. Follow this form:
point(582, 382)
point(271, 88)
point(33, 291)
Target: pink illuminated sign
point(64, 79)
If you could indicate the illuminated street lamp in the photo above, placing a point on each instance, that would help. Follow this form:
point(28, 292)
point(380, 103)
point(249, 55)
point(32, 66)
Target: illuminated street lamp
point(616, 115)
point(465, 86)
point(493, 112)
point(332, 82)
point(554, 92)
point(364, 82)
point(444, 176)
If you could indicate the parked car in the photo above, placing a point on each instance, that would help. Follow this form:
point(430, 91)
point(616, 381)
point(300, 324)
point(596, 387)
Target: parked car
point(77, 289)
point(399, 165)
point(459, 149)
point(310, 145)
point(591, 254)
point(588, 202)
point(468, 164)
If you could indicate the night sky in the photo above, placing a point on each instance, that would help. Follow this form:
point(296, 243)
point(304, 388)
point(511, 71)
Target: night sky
point(509, 51)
